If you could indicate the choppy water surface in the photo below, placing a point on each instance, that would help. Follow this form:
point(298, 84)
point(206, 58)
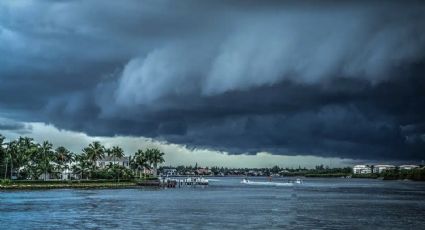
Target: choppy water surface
point(225, 204)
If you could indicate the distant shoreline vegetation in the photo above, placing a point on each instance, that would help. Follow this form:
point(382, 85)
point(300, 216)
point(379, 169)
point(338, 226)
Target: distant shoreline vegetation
point(417, 174)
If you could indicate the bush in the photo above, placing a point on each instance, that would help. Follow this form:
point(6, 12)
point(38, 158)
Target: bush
point(5, 181)
point(114, 172)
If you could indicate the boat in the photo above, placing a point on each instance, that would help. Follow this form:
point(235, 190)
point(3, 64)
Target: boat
point(201, 181)
point(269, 183)
point(245, 181)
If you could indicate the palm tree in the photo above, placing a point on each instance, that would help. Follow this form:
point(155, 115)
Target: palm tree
point(82, 167)
point(108, 152)
point(132, 163)
point(46, 155)
point(94, 152)
point(116, 152)
point(155, 157)
point(139, 161)
point(25, 154)
point(62, 158)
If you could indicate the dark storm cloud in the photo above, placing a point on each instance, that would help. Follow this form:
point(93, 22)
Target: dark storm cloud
point(290, 77)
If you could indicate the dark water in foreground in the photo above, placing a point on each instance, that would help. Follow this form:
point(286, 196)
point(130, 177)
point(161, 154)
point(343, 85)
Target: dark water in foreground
point(225, 204)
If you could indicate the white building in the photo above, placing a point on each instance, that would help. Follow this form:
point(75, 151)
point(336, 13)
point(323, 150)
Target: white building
point(408, 167)
point(105, 161)
point(68, 173)
point(65, 173)
point(382, 168)
point(362, 169)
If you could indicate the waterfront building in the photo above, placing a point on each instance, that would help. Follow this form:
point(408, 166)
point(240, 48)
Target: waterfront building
point(65, 173)
point(382, 168)
point(408, 167)
point(107, 160)
point(362, 169)
point(203, 171)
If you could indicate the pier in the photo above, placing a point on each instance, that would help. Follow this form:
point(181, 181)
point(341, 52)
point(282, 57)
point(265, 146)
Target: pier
point(186, 182)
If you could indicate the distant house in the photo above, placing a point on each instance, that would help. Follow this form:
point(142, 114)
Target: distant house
point(362, 169)
point(408, 167)
point(107, 160)
point(382, 168)
point(203, 171)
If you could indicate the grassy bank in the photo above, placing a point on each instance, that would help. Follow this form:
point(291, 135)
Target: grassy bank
point(65, 184)
point(366, 176)
point(80, 184)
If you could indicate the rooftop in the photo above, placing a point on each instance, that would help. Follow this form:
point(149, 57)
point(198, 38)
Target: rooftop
point(109, 158)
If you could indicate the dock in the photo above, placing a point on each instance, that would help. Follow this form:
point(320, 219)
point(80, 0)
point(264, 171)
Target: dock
point(186, 182)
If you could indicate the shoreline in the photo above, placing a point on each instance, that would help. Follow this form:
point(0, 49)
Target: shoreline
point(29, 186)
point(44, 185)
point(35, 185)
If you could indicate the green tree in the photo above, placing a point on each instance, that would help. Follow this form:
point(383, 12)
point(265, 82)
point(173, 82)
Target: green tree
point(94, 152)
point(116, 153)
point(45, 156)
point(139, 161)
point(25, 158)
point(62, 158)
point(82, 166)
point(155, 157)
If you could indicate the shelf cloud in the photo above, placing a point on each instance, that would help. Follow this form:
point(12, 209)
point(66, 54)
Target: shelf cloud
point(339, 79)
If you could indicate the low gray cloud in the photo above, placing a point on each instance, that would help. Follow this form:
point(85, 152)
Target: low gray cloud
point(11, 126)
point(340, 79)
point(7, 125)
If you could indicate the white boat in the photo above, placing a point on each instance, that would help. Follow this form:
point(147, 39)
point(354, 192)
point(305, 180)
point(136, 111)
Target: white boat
point(246, 181)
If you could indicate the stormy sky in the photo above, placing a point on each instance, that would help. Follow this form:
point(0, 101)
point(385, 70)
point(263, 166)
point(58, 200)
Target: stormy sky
point(340, 79)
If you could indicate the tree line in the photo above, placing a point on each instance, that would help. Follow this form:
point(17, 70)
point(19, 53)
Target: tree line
point(319, 170)
point(23, 158)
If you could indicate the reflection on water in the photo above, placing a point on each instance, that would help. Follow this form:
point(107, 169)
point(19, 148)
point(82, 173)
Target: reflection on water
point(226, 203)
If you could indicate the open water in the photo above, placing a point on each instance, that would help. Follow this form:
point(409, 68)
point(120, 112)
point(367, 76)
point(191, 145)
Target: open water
point(224, 204)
